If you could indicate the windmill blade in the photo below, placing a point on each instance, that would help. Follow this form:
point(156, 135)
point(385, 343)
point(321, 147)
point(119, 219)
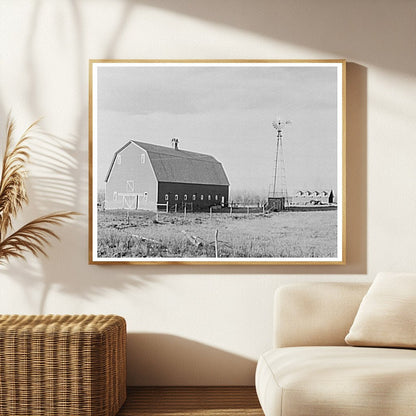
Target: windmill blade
point(279, 124)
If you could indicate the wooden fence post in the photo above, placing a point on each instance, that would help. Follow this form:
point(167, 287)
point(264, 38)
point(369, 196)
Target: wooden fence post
point(216, 243)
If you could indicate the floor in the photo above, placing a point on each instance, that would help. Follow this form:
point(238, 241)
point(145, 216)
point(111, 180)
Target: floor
point(187, 401)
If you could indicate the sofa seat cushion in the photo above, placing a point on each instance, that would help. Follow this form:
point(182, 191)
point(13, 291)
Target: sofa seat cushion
point(341, 381)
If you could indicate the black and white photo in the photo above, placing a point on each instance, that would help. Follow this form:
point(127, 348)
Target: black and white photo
point(217, 162)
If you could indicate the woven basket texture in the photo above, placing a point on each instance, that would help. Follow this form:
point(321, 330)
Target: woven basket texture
point(56, 365)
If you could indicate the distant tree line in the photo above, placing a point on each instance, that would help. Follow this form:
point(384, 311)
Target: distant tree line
point(248, 198)
point(100, 196)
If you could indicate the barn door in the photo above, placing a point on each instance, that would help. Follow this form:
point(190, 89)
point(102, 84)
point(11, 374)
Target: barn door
point(130, 201)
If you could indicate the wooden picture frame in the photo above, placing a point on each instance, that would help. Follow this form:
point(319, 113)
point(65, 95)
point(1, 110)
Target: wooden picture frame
point(217, 162)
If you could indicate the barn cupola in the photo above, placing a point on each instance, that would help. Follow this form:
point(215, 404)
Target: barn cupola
point(175, 143)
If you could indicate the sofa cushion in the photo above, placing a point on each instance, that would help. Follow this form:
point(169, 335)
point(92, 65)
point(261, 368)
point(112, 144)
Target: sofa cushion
point(342, 381)
point(387, 314)
point(315, 314)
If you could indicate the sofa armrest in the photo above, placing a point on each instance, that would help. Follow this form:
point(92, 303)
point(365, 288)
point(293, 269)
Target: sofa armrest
point(309, 314)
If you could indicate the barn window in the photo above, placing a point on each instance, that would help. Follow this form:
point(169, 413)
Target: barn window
point(145, 196)
point(202, 197)
point(118, 159)
point(115, 196)
point(130, 186)
point(209, 197)
point(176, 197)
point(185, 197)
point(166, 197)
point(216, 197)
point(142, 158)
point(194, 197)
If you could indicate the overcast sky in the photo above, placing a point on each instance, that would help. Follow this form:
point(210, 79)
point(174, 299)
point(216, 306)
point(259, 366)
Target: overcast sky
point(226, 112)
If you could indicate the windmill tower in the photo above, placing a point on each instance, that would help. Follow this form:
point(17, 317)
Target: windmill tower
point(278, 197)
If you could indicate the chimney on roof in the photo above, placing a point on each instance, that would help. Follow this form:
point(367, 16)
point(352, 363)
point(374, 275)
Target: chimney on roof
point(175, 143)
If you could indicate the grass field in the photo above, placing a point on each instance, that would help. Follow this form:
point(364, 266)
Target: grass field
point(138, 234)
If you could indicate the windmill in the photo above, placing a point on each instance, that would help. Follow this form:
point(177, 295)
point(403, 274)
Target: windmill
point(278, 195)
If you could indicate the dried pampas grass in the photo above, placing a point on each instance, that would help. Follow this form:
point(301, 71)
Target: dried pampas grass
point(34, 236)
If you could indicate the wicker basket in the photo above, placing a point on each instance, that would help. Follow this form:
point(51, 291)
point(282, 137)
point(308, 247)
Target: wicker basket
point(54, 365)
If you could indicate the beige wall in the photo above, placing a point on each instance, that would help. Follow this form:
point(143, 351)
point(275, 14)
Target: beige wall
point(205, 325)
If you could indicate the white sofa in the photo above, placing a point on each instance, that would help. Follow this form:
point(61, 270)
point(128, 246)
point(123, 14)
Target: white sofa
point(311, 371)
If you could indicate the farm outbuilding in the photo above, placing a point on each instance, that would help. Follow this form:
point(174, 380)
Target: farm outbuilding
point(313, 198)
point(148, 176)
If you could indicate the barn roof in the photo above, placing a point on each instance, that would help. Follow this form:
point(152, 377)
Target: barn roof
point(181, 166)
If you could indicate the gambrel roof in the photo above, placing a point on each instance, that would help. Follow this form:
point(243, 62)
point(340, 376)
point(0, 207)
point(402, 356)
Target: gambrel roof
point(180, 166)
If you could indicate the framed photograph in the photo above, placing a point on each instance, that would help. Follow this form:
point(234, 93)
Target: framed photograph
point(217, 162)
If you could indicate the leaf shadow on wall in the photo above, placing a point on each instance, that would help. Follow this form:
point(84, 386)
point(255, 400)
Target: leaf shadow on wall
point(64, 184)
point(59, 180)
point(337, 28)
point(164, 359)
point(53, 186)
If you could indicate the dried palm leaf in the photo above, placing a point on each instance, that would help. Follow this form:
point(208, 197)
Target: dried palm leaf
point(32, 237)
point(12, 183)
